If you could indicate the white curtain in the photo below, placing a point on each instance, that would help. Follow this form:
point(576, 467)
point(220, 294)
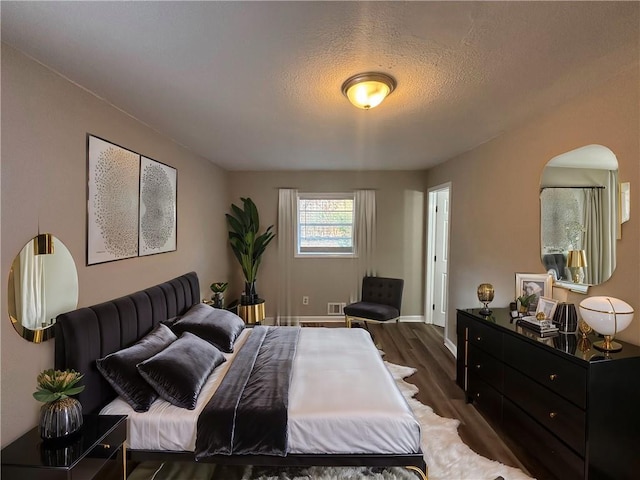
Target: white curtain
point(287, 207)
point(600, 223)
point(365, 238)
point(31, 290)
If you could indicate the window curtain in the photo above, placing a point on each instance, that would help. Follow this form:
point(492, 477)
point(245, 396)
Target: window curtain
point(31, 302)
point(287, 207)
point(365, 239)
point(600, 223)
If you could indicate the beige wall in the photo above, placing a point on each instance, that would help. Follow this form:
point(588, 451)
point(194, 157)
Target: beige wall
point(400, 246)
point(495, 211)
point(45, 120)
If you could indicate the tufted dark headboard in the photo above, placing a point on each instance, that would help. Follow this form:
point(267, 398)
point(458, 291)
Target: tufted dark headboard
point(89, 333)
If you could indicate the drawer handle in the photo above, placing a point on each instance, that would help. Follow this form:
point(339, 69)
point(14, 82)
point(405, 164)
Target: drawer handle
point(553, 376)
point(478, 367)
point(477, 395)
point(479, 338)
point(105, 445)
point(553, 415)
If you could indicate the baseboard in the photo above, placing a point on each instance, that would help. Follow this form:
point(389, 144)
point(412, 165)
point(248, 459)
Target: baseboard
point(330, 319)
point(451, 347)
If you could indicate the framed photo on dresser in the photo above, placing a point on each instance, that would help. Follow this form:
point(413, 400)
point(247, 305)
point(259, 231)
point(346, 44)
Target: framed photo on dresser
point(536, 284)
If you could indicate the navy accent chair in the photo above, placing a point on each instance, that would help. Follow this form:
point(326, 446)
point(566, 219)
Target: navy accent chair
point(381, 301)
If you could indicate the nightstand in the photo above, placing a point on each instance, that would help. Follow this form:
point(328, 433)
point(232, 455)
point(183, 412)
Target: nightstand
point(96, 452)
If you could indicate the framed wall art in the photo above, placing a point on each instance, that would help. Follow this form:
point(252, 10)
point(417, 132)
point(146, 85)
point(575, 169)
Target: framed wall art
point(112, 202)
point(157, 227)
point(131, 203)
point(534, 285)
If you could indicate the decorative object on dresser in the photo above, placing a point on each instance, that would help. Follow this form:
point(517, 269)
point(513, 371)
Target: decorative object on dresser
point(576, 262)
point(566, 317)
point(530, 287)
point(97, 451)
point(573, 410)
point(485, 295)
point(607, 316)
point(61, 415)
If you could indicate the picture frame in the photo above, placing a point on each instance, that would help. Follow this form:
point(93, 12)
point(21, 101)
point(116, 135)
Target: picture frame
point(539, 284)
point(113, 174)
point(547, 306)
point(625, 202)
point(158, 201)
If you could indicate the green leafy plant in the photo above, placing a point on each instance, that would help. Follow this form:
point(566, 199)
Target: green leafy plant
point(218, 287)
point(525, 300)
point(57, 384)
point(247, 244)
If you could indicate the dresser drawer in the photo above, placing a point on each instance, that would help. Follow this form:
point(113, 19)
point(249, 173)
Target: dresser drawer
point(484, 337)
point(485, 366)
point(486, 399)
point(561, 417)
point(559, 375)
point(541, 444)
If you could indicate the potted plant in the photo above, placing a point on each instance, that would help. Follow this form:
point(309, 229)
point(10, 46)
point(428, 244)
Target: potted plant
point(218, 289)
point(247, 244)
point(524, 301)
point(61, 415)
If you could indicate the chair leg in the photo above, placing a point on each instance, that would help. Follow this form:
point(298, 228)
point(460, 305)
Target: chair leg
point(347, 321)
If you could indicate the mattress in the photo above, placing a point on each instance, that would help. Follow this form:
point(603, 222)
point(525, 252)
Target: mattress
point(342, 400)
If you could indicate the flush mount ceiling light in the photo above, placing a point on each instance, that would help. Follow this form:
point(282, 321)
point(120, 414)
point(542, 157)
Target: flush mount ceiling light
point(368, 90)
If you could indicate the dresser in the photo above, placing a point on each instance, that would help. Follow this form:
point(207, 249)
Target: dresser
point(569, 405)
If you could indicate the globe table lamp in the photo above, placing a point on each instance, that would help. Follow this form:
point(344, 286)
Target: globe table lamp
point(485, 295)
point(607, 316)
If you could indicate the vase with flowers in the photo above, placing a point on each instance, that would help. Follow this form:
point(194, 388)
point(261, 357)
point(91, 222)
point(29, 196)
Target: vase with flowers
point(218, 289)
point(61, 415)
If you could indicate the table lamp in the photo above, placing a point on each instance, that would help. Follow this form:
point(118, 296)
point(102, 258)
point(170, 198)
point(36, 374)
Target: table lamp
point(576, 261)
point(607, 316)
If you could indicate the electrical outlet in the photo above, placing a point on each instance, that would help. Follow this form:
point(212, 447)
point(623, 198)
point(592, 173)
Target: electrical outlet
point(305, 300)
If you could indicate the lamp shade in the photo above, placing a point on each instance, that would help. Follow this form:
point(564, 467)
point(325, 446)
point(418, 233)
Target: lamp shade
point(607, 316)
point(576, 258)
point(368, 90)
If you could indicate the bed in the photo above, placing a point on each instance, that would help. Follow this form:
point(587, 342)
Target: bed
point(320, 429)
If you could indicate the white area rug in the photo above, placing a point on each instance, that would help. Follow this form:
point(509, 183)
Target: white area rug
point(447, 457)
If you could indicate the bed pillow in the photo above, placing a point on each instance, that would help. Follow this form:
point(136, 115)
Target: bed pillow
point(217, 326)
point(179, 371)
point(120, 368)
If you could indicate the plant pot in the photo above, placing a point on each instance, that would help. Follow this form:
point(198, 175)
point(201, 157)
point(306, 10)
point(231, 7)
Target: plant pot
point(218, 300)
point(60, 419)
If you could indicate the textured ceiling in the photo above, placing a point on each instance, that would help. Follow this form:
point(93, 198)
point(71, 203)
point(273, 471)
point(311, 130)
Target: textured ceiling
point(256, 85)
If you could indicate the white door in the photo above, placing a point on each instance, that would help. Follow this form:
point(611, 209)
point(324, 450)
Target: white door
point(438, 256)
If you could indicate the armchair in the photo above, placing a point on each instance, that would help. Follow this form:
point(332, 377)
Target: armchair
point(381, 301)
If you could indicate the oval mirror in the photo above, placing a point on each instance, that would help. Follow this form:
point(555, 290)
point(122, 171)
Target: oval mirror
point(43, 283)
point(579, 215)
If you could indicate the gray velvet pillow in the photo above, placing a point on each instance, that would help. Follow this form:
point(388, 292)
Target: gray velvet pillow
point(120, 368)
point(179, 372)
point(217, 326)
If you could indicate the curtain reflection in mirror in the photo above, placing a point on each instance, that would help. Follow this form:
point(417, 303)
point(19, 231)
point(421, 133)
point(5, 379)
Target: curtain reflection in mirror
point(30, 289)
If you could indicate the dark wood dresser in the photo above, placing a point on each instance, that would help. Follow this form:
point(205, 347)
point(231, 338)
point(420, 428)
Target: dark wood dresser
point(569, 405)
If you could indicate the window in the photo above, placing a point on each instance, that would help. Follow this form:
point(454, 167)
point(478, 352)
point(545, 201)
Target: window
point(325, 224)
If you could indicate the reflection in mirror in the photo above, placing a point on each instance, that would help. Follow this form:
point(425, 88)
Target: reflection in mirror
point(42, 285)
point(578, 215)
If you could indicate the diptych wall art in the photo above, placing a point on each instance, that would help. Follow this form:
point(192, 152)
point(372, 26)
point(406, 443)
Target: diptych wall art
point(131, 204)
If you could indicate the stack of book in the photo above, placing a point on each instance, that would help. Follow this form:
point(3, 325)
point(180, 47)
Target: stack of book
point(544, 328)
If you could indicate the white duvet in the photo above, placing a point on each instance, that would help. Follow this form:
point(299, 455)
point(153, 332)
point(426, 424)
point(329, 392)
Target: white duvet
point(342, 399)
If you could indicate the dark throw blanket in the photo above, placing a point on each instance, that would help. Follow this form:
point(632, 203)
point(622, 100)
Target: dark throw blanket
point(248, 413)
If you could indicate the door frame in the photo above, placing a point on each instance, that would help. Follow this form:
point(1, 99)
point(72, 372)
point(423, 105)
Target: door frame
point(431, 240)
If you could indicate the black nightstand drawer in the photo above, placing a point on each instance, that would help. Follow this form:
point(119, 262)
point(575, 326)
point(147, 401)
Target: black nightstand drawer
point(489, 368)
point(541, 444)
point(561, 417)
point(486, 338)
point(561, 376)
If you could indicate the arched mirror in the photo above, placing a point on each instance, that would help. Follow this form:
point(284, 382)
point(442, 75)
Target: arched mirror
point(579, 215)
point(43, 283)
